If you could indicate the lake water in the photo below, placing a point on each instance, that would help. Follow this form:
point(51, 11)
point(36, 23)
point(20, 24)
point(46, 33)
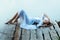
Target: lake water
point(33, 8)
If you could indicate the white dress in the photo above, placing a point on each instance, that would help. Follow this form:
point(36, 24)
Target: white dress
point(24, 24)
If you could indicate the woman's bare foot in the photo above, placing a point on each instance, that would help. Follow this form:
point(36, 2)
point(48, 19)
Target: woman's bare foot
point(10, 22)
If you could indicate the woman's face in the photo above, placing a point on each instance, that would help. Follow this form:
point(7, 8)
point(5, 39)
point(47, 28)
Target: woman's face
point(45, 21)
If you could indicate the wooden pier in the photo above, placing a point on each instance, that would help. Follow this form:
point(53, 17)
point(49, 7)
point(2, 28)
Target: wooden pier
point(14, 32)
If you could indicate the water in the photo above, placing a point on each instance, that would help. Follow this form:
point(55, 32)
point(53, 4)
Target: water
point(33, 8)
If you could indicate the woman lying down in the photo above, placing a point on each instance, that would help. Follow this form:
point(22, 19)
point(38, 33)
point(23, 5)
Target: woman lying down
point(27, 23)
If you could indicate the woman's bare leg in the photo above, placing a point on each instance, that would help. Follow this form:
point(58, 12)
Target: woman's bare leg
point(16, 19)
point(13, 19)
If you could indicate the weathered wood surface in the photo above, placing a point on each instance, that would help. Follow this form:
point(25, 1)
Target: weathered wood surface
point(57, 29)
point(17, 33)
point(46, 33)
point(25, 34)
point(33, 34)
point(39, 34)
point(7, 32)
point(53, 34)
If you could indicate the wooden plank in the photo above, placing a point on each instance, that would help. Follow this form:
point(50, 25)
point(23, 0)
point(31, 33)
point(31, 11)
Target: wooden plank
point(19, 33)
point(57, 29)
point(33, 34)
point(46, 34)
point(7, 32)
point(39, 34)
point(16, 33)
point(53, 34)
point(4, 37)
point(9, 27)
point(25, 34)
